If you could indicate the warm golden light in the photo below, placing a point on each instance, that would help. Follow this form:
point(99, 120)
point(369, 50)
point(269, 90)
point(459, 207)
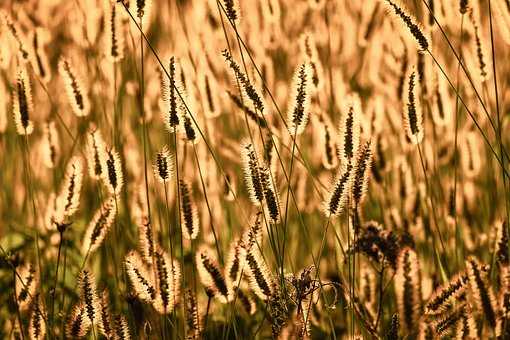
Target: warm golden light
point(227, 169)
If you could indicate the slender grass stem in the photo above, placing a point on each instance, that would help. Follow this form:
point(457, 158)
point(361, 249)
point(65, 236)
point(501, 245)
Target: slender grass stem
point(54, 290)
point(18, 314)
point(287, 200)
point(144, 124)
point(498, 115)
point(62, 330)
point(455, 152)
point(381, 284)
point(206, 317)
point(434, 215)
point(216, 241)
point(178, 219)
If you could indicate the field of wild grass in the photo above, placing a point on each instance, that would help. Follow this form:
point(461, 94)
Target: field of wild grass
point(230, 169)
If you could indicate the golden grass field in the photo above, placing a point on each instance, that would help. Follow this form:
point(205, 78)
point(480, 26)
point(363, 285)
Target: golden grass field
point(235, 169)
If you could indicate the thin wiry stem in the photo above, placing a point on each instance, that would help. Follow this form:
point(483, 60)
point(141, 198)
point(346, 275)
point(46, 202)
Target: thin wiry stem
point(207, 313)
point(178, 217)
point(496, 94)
point(29, 185)
point(18, 314)
point(350, 269)
point(115, 127)
point(144, 124)
point(287, 199)
point(62, 331)
point(54, 290)
point(117, 233)
point(456, 147)
point(434, 213)
point(170, 236)
point(216, 242)
point(381, 284)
